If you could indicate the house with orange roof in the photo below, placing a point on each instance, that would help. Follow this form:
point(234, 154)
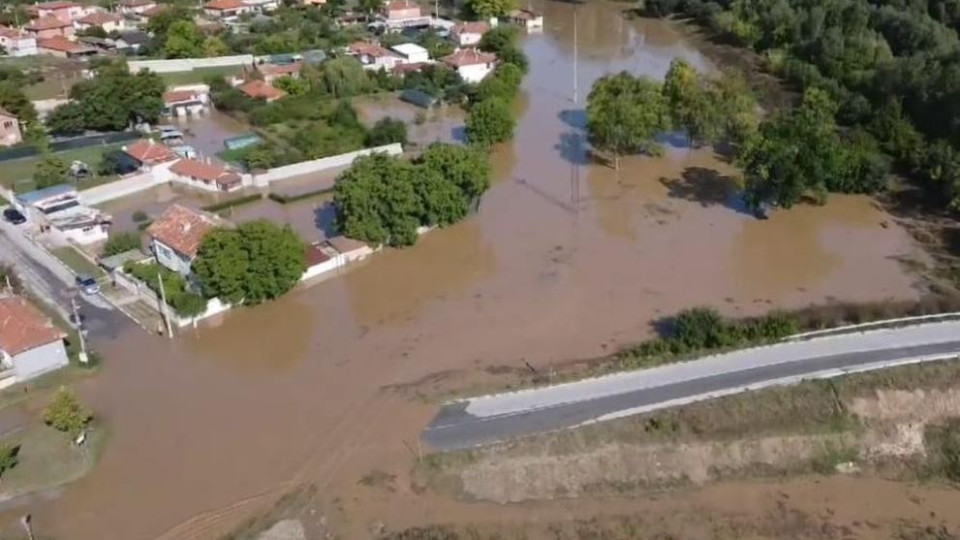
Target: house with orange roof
point(175, 236)
point(190, 100)
point(398, 10)
point(110, 22)
point(257, 89)
point(226, 9)
point(17, 42)
point(373, 56)
point(66, 11)
point(148, 154)
point(469, 34)
point(206, 175)
point(30, 344)
point(64, 48)
point(272, 72)
point(136, 7)
point(471, 64)
point(49, 27)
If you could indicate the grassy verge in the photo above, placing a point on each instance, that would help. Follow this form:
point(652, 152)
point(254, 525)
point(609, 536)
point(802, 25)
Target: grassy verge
point(287, 199)
point(48, 458)
point(77, 262)
point(199, 75)
point(18, 173)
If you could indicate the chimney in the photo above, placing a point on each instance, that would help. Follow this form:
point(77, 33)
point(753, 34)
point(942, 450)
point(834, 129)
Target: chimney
point(185, 227)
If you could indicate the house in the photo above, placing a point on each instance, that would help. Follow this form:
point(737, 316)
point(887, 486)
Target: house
point(60, 209)
point(30, 344)
point(149, 154)
point(192, 101)
point(471, 64)
point(400, 10)
point(64, 48)
point(136, 7)
point(525, 18)
point(468, 34)
point(226, 9)
point(17, 42)
point(257, 89)
point(175, 236)
point(329, 255)
point(272, 72)
point(313, 2)
point(373, 56)
point(10, 133)
point(48, 27)
point(206, 175)
point(262, 6)
point(411, 53)
point(64, 10)
point(110, 22)
point(149, 13)
point(132, 41)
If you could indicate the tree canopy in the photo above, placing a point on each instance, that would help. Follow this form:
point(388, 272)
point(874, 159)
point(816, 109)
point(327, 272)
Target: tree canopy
point(485, 9)
point(490, 122)
point(254, 262)
point(625, 114)
point(66, 413)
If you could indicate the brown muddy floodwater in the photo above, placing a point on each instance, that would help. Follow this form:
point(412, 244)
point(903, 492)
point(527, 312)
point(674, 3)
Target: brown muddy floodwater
point(565, 259)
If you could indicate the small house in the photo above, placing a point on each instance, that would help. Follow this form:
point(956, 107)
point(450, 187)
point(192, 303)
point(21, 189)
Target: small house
point(175, 236)
point(257, 89)
point(471, 64)
point(226, 9)
point(272, 72)
point(373, 56)
point(469, 34)
point(132, 41)
point(66, 11)
point(526, 19)
point(30, 344)
point(10, 133)
point(186, 102)
point(399, 10)
point(109, 22)
point(50, 27)
point(60, 209)
point(17, 42)
point(149, 154)
point(411, 53)
point(206, 175)
point(63, 47)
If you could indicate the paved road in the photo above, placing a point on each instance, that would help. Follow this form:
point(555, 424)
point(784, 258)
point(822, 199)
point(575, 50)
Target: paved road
point(489, 419)
point(47, 278)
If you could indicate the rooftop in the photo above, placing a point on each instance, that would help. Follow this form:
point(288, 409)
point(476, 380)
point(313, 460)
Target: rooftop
point(472, 27)
point(182, 229)
point(23, 327)
point(280, 70)
point(206, 172)
point(524, 14)
point(223, 5)
point(62, 44)
point(46, 193)
point(401, 4)
point(135, 37)
point(345, 245)
point(49, 22)
point(150, 152)
point(177, 96)
point(100, 18)
point(7, 114)
point(469, 57)
point(12, 33)
point(258, 89)
point(58, 4)
point(409, 49)
point(374, 50)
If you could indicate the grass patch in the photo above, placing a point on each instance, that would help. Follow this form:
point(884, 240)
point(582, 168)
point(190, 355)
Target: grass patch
point(232, 203)
point(199, 75)
point(77, 262)
point(287, 199)
point(17, 174)
point(48, 458)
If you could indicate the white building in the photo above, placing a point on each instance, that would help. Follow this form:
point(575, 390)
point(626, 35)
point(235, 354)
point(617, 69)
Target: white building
point(60, 209)
point(206, 175)
point(526, 19)
point(136, 7)
point(175, 237)
point(191, 100)
point(110, 22)
point(469, 34)
point(471, 64)
point(30, 345)
point(373, 56)
point(17, 42)
point(411, 53)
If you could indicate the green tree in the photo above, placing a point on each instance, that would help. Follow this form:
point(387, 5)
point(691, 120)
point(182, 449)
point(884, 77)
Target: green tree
point(110, 164)
point(691, 105)
point(340, 77)
point(14, 101)
point(111, 101)
point(443, 201)
point(466, 167)
point(50, 171)
point(67, 414)
point(183, 40)
point(625, 114)
point(214, 46)
point(490, 122)
point(68, 118)
point(369, 7)
point(120, 243)
point(292, 86)
point(256, 262)
point(485, 9)
point(377, 201)
point(9, 457)
point(387, 130)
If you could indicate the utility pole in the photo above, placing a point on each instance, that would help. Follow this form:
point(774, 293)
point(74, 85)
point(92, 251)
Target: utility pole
point(575, 172)
point(27, 523)
point(83, 342)
point(163, 306)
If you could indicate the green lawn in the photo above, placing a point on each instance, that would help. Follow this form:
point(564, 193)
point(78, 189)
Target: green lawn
point(18, 173)
point(199, 75)
point(77, 262)
point(48, 458)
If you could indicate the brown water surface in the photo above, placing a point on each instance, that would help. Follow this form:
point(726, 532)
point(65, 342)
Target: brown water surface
point(565, 259)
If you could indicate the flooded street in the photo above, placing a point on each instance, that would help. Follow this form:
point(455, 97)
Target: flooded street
point(565, 259)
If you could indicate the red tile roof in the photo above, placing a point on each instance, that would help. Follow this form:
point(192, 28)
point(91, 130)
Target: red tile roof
point(206, 172)
point(400, 69)
point(473, 27)
point(182, 229)
point(279, 71)
point(223, 5)
point(47, 23)
point(62, 44)
point(100, 18)
point(524, 14)
point(12, 33)
point(314, 255)
point(259, 89)
point(150, 152)
point(369, 49)
point(35, 8)
point(401, 4)
point(176, 96)
point(469, 57)
point(23, 327)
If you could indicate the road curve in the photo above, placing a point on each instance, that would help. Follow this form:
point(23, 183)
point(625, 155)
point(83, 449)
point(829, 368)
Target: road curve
point(489, 419)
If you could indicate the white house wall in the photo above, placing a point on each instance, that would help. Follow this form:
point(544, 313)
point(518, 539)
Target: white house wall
point(40, 360)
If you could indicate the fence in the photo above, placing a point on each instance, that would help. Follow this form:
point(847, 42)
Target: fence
point(139, 288)
point(307, 167)
point(189, 64)
point(100, 139)
point(120, 188)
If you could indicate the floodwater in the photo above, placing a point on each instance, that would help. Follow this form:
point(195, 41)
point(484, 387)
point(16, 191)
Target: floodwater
point(206, 133)
point(565, 259)
point(442, 124)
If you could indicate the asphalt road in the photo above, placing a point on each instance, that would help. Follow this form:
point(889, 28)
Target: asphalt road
point(490, 419)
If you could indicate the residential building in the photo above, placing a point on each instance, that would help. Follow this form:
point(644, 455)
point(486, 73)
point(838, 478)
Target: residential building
point(469, 34)
point(313, 2)
point(110, 22)
point(17, 42)
point(149, 154)
point(262, 6)
point(132, 41)
point(373, 56)
point(64, 48)
point(175, 236)
point(527, 19)
point(411, 53)
point(187, 101)
point(272, 72)
point(60, 209)
point(399, 10)
point(149, 13)
point(30, 344)
point(471, 64)
point(10, 133)
point(257, 89)
point(64, 10)
point(49, 27)
point(226, 9)
point(136, 7)
point(206, 175)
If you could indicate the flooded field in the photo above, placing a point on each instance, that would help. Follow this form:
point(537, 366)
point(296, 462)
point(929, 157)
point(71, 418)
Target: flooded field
point(444, 124)
point(565, 259)
point(207, 133)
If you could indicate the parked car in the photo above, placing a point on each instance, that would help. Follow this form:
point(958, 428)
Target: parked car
point(14, 216)
point(88, 284)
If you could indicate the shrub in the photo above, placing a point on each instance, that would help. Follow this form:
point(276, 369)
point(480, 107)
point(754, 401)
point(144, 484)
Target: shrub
point(120, 243)
point(9, 457)
point(140, 216)
point(943, 449)
point(184, 302)
point(230, 203)
point(67, 414)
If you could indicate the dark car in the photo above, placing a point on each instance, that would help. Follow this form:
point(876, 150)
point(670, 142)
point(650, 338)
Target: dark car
point(14, 216)
point(87, 284)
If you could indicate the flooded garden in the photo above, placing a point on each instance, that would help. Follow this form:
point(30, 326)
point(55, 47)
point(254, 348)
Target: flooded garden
point(565, 259)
